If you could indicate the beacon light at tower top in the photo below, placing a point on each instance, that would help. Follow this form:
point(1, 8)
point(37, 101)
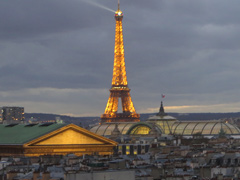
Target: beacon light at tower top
point(118, 13)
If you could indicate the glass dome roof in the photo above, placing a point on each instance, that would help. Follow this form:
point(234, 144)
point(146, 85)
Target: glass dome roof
point(203, 127)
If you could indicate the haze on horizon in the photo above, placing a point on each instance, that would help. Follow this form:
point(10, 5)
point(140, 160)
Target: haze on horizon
point(57, 56)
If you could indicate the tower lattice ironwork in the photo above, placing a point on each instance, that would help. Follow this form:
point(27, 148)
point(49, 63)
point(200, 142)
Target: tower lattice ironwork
point(119, 89)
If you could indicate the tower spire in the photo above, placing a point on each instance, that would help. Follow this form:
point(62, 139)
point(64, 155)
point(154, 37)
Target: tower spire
point(118, 5)
point(119, 89)
point(161, 110)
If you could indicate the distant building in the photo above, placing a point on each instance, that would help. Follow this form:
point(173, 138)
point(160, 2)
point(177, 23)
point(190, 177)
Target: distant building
point(33, 120)
point(12, 114)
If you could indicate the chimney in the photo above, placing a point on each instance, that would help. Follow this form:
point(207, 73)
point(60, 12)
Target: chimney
point(11, 175)
point(36, 175)
point(45, 176)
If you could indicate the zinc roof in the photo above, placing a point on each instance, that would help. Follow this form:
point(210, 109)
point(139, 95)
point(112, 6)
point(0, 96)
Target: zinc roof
point(22, 133)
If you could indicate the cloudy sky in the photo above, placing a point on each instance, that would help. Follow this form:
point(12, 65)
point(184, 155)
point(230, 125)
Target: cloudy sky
point(57, 55)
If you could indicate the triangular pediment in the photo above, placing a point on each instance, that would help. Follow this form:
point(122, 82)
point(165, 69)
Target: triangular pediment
point(70, 135)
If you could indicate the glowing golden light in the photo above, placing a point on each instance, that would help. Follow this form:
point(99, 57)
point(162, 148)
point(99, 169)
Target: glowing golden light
point(141, 130)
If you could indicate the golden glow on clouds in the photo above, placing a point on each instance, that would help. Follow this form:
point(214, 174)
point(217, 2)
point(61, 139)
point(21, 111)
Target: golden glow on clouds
point(181, 107)
point(233, 107)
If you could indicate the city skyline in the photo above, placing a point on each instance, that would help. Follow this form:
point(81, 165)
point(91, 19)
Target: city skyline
point(57, 56)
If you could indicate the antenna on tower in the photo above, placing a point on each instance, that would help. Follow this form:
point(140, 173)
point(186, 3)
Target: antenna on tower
point(118, 4)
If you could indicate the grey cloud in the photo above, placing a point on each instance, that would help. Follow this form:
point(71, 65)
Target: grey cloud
point(28, 18)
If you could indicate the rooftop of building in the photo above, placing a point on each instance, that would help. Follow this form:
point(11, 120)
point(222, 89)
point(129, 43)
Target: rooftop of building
point(18, 134)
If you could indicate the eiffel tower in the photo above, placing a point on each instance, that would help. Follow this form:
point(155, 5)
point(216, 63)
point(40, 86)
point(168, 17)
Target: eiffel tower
point(119, 89)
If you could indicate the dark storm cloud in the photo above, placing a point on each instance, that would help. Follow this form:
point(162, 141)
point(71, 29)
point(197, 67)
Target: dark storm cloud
point(186, 49)
point(24, 18)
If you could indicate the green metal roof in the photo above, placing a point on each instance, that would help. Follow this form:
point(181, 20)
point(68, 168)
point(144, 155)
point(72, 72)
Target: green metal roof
point(22, 133)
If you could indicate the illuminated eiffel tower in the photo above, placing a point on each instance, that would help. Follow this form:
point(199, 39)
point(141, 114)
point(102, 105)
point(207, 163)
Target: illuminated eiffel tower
point(119, 89)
